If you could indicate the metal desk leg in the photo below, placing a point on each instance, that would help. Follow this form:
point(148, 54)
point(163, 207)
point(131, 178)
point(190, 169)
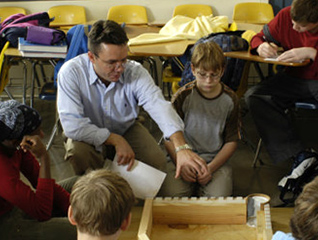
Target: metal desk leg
point(33, 82)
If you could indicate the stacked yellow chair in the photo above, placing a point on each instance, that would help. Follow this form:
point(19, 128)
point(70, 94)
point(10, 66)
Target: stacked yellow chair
point(8, 11)
point(128, 14)
point(253, 12)
point(67, 16)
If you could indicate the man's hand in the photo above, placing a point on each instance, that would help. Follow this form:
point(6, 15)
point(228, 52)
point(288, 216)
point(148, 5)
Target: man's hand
point(189, 163)
point(298, 54)
point(267, 50)
point(125, 154)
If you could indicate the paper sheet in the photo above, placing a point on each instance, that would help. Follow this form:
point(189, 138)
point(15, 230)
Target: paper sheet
point(144, 180)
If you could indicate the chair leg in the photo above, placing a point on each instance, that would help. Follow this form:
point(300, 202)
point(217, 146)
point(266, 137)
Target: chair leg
point(256, 156)
point(53, 134)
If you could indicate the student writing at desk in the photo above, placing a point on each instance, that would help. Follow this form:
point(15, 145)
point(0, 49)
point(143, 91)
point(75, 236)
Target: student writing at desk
point(295, 28)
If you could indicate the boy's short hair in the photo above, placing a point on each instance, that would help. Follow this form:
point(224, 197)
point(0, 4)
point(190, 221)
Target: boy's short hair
point(304, 11)
point(101, 200)
point(108, 32)
point(208, 56)
point(304, 221)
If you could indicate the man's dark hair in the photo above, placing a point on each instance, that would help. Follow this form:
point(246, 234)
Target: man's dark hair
point(304, 11)
point(108, 32)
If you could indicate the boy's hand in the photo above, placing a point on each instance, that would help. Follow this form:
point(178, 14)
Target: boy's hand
point(204, 179)
point(298, 54)
point(267, 50)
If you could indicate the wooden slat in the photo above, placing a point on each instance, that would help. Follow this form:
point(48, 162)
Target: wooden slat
point(146, 221)
point(200, 211)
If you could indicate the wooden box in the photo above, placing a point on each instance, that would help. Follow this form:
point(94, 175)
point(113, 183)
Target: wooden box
point(202, 218)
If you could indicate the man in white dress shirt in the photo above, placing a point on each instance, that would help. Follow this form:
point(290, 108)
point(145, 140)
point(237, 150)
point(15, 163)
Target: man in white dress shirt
point(99, 96)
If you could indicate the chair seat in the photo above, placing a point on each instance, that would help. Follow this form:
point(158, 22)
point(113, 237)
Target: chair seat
point(48, 92)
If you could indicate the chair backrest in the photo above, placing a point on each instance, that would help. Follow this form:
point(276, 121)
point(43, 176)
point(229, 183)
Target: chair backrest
point(192, 10)
point(67, 15)
point(8, 11)
point(129, 14)
point(253, 12)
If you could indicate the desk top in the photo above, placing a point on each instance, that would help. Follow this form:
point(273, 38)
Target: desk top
point(167, 49)
point(279, 216)
point(245, 55)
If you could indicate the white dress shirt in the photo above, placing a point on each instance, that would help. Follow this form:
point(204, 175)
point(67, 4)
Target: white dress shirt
point(89, 111)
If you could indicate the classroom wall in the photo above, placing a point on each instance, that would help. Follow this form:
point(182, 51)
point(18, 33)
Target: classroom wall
point(158, 10)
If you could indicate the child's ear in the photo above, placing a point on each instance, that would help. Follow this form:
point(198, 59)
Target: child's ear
point(126, 223)
point(70, 215)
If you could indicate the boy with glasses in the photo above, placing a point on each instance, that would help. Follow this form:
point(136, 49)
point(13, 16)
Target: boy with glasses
point(99, 96)
point(210, 111)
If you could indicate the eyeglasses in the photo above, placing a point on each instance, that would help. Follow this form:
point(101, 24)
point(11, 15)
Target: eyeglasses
point(212, 76)
point(114, 64)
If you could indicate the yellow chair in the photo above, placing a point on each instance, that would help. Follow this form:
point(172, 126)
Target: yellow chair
point(253, 12)
point(128, 14)
point(192, 10)
point(66, 16)
point(8, 11)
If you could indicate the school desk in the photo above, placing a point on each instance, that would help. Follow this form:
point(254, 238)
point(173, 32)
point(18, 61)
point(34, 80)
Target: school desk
point(246, 55)
point(14, 54)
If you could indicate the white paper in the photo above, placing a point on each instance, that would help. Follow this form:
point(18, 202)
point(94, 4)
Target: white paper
point(144, 180)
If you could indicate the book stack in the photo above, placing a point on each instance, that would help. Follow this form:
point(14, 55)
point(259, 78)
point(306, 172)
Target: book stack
point(29, 49)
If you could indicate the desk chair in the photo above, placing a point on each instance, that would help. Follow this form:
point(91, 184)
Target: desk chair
point(66, 16)
point(253, 12)
point(128, 14)
point(8, 11)
point(49, 92)
point(192, 10)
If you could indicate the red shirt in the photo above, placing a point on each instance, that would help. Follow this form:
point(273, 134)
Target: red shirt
point(14, 192)
point(281, 29)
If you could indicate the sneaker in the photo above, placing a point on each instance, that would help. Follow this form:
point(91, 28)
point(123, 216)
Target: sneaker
point(303, 160)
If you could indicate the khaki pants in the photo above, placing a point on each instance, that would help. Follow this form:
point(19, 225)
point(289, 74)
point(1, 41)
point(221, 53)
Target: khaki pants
point(83, 156)
point(220, 186)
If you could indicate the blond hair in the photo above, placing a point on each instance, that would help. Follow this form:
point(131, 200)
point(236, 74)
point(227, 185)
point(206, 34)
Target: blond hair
point(304, 221)
point(208, 56)
point(101, 201)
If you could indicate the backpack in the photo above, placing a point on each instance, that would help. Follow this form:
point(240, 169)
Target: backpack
point(77, 40)
point(228, 41)
point(294, 186)
point(16, 26)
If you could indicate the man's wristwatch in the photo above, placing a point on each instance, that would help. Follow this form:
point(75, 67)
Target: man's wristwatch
point(183, 147)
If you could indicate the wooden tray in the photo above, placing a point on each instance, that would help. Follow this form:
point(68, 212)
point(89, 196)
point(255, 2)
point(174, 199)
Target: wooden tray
point(202, 218)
